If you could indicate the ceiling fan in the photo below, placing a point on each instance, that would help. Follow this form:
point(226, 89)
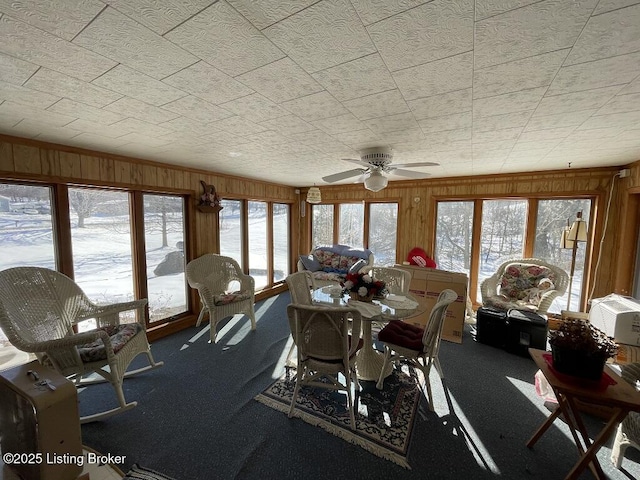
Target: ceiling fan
point(376, 162)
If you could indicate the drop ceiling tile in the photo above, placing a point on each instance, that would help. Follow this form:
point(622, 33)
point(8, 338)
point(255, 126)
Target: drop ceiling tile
point(265, 13)
point(11, 126)
point(391, 123)
point(441, 76)
point(87, 112)
point(145, 140)
point(138, 126)
point(358, 139)
point(403, 136)
point(531, 30)
point(137, 85)
point(571, 102)
point(546, 134)
point(208, 83)
point(357, 78)
point(41, 48)
point(268, 138)
point(159, 16)
point(197, 109)
point(448, 138)
point(62, 19)
point(432, 31)
point(497, 135)
point(288, 124)
point(220, 137)
point(315, 107)
point(280, 81)
point(13, 109)
point(607, 35)
point(498, 122)
point(621, 120)
point(234, 45)
point(508, 103)
point(185, 139)
point(26, 96)
point(325, 34)
point(314, 137)
point(490, 8)
point(606, 132)
point(444, 104)
point(256, 107)
point(43, 131)
point(371, 11)
point(130, 107)
point(567, 119)
point(15, 71)
point(632, 87)
point(454, 121)
point(377, 105)
point(608, 5)
point(93, 141)
point(184, 124)
point(599, 73)
point(238, 126)
point(518, 75)
point(342, 123)
point(621, 103)
point(120, 38)
point(87, 126)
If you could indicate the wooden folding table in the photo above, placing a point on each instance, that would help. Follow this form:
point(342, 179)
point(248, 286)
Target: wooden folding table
point(612, 392)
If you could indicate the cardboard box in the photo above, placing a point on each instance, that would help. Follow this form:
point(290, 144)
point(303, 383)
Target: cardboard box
point(426, 285)
point(627, 354)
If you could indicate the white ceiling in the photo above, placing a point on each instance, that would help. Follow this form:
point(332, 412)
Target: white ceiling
point(282, 90)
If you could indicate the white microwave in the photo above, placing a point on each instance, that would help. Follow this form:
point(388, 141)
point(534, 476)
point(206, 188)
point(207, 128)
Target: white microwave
point(618, 317)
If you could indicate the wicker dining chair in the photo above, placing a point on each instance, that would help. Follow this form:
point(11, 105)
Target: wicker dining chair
point(224, 289)
point(628, 433)
point(397, 281)
point(39, 309)
point(419, 346)
point(326, 348)
point(300, 284)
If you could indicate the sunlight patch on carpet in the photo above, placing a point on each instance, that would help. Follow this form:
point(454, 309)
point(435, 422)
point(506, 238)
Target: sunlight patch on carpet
point(384, 421)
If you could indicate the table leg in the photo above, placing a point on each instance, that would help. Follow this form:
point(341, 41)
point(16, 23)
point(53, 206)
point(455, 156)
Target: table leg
point(543, 428)
point(369, 361)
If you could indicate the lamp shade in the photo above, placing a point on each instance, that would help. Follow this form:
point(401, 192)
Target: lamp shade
point(376, 181)
point(564, 240)
point(313, 195)
point(578, 230)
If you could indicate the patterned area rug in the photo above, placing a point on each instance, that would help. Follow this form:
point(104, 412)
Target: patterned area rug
point(384, 420)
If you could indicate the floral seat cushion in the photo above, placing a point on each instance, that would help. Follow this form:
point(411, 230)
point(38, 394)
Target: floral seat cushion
point(119, 335)
point(227, 298)
point(521, 287)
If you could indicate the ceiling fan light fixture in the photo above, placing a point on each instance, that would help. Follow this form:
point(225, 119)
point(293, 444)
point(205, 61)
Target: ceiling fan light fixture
point(376, 181)
point(313, 195)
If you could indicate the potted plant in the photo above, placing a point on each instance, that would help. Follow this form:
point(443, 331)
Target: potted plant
point(363, 287)
point(580, 349)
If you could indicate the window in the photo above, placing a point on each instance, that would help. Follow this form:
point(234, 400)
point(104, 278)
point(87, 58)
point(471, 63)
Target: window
point(164, 244)
point(351, 225)
point(321, 225)
point(383, 227)
point(257, 235)
point(280, 241)
point(502, 234)
point(454, 229)
point(101, 242)
point(231, 229)
point(553, 216)
point(26, 226)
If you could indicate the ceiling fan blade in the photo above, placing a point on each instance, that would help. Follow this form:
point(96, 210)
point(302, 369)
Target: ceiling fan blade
point(353, 160)
point(408, 173)
point(417, 164)
point(336, 177)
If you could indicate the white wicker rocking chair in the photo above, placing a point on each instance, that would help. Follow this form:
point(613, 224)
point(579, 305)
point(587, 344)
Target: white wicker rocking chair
point(39, 309)
point(216, 278)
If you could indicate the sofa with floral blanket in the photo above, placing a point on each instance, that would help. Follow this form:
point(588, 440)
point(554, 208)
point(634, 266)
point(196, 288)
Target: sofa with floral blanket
point(525, 284)
point(329, 264)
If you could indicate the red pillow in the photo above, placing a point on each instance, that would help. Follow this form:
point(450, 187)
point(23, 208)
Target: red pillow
point(418, 256)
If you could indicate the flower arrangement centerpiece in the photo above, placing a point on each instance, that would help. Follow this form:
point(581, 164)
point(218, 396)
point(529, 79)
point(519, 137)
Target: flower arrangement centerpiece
point(363, 287)
point(580, 349)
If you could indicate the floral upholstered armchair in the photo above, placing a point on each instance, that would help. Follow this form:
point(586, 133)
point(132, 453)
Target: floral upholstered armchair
point(525, 284)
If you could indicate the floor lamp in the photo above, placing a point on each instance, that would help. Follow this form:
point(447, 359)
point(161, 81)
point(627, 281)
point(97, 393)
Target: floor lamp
point(571, 235)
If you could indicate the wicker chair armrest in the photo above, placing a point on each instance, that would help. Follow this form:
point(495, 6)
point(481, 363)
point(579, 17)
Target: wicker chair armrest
point(546, 299)
point(70, 341)
point(489, 287)
point(247, 282)
point(631, 373)
point(108, 314)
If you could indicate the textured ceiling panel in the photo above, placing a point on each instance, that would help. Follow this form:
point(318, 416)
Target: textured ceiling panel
point(283, 90)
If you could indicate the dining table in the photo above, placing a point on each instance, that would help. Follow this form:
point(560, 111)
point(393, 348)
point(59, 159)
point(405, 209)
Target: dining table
point(369, 361)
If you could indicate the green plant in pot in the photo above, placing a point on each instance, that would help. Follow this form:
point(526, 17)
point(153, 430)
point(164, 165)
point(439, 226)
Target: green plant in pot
point(580, 349)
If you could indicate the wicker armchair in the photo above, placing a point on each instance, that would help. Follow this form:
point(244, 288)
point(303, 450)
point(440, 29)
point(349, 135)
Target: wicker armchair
point(396, 280)
point(517, 284)
point(39, 309)
point(628, 433)
point(418, 346)
point(223, 288)
point(325, 349)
